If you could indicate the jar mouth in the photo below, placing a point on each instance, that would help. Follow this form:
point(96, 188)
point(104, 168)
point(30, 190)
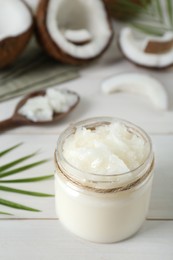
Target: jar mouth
point(91, 124)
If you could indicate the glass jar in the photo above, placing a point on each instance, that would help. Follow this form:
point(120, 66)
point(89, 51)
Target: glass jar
point(102, 208)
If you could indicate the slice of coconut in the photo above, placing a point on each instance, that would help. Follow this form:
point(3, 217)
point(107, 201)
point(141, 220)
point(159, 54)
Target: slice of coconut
point(140, 84)
point(148, 51)
point(16, 26)
point(54, 17)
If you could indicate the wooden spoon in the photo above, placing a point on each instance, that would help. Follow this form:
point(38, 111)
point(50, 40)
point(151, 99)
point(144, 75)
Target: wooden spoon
point(18, 120)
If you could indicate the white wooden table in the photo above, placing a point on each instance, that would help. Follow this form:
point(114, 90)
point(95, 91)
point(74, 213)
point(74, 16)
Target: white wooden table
point(40, 236)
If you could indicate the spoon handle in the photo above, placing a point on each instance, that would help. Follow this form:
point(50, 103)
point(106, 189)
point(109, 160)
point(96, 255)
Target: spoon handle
point(8, 124)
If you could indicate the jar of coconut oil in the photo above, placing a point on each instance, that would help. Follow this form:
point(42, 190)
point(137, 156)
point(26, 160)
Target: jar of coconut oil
point(103, 178)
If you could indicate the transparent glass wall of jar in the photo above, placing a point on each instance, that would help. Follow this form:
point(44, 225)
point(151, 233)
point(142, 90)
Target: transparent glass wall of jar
point(97, 207)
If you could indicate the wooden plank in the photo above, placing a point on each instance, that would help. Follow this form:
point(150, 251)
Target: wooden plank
point(47, 239)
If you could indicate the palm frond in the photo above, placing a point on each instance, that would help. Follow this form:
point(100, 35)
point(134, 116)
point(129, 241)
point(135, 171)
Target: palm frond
point(2, 153)
point(155, 22)
point(150, 30)
point(16, 205)
point(25, 192)
point(23, 168)
point(128, 7)
point(13, 163)
point(35, 179)
point(159, 9)
point(5, 170)
point(5, 213)
point(129, 4)
point(144, 2)
point(169, 6)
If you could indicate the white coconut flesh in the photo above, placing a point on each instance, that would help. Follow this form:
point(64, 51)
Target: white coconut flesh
point(15, 18)
point(78, 36)
point(140, 84)
point(77, 15)
point(134, 49)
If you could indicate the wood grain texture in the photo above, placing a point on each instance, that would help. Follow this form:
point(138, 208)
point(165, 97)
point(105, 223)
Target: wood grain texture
point(48, 240)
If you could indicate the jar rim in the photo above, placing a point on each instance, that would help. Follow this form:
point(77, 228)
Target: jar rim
point(95, 121)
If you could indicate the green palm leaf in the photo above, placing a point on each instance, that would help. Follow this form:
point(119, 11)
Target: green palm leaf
point(35, 179)
point(13, 163)
point(2, 153)
point(144, 3)
point(23, 168)
point(151, 17)
point(169, 6)
point(159, 9)
point(151, 30)
point(15, 205)
point(5, 213)
point(129, 5)
point(4, 173)
point(30, 193)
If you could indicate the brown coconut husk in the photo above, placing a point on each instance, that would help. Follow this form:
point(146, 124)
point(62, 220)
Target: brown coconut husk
point(50, 46)
point(155, 47)
point(12, 47)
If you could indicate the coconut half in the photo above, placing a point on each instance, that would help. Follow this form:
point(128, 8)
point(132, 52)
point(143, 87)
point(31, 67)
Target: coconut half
point(146, 50)
point(16, 25)
point(137, 83)
point(73, 31)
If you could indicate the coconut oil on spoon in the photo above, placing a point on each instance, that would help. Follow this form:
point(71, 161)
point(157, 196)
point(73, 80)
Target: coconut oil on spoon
point(54, 105)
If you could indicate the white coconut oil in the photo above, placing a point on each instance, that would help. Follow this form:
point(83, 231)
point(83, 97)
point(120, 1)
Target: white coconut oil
point(103, 179)
point(42, 108)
